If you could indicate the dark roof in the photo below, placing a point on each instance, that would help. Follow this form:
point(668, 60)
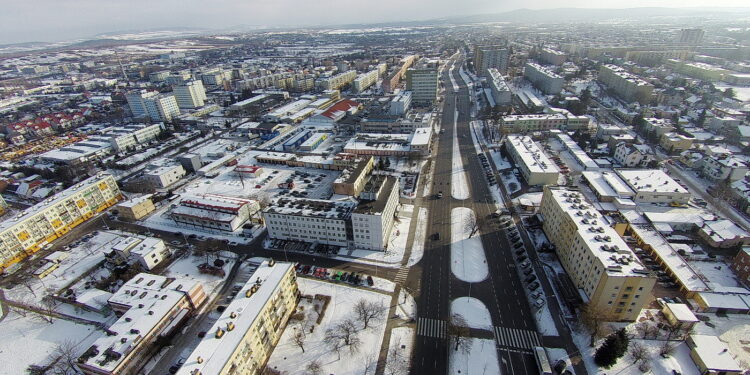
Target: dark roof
point(388, 183)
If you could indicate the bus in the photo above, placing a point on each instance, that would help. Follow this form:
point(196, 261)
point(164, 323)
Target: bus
point(542, 361)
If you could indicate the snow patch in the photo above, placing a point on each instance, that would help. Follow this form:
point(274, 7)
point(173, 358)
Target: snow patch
point(468, 262)
point(473, 311)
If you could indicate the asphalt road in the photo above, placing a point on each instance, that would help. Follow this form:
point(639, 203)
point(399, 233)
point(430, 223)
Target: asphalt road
point(502, 292)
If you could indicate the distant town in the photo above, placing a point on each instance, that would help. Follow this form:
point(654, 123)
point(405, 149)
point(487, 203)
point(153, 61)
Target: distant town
point(439, 198)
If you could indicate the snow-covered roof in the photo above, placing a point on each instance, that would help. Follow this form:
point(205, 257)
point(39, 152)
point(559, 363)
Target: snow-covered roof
point(681, 312)
point(651, 180)
point(714, 354)
point(531, 154)
point(723, 230)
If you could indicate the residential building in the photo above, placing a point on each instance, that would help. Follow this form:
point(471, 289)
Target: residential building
point(214, 77)
point(149, 252)
point(244, 336)
point(400, 104)
point(190, 95)
point(309, 220)
point(214, 211)
point(543, 78)
point(654, 186)
point(161, 107)
point(337, 81)
point(150, 308)
point(675, 143)
point(712, 356)
point(39, 225)
point(704, 71)
point(723, 234)
point(596, 258)
point(164, 176)
point(136, 208)
point(625, 85)
point(501, 94)
point(723, 167)
point(581, 157)
point(551, 56)
point(365, 80)
point(494, 56)
point(122, 138)
point(136, 102)
point(535, 166)
point(353, 179)
point(679, 316)
point(631, 155)
point(423, 84)
point(657, 126)
point(417, 143)
point(691, 37)
point(542, 122)
point(741, 265)
point(373, 218)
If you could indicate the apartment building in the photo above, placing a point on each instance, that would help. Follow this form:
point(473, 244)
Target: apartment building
point(39, 225)
point(632, 155)
point(136, 102)
point(190, 94)
point(243, 338)
point(741, 265)
point(657, 126)
point(723, 167)
point(400, 104)
point(149, 252)
point(164, 176)
point(353, 179)
point(542, 122)
point(365, 80)
point(544, 79)
point(214, 211)
point(535, 166)
point(595, 257)
point(337, 81)
point(500, 91)
point(161, 107)
point(150, 307)
point(309, 220)
point(551, 56)
point(625, 85)
point(136, 208)
point(653, 186)
point(373, 218)
point(675, 143)
point(127, 136)
point(423, 84)
point(494, 56)
point(691, 37)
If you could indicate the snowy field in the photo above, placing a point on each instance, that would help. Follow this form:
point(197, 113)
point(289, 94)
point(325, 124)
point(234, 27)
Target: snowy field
point(187, 267)
point(289, 359)
point(468, 262)
point(407, 306)
point(679, 361)
point(510, 181)
point(473, 311)
point(399, 351)
point(417, 246)
point(480, 359)
point(500, 162)
point(459, 187)
point(30, 341)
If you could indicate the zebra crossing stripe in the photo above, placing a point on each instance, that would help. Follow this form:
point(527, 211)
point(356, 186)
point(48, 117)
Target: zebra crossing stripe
point(516, 338)
point(431, 328)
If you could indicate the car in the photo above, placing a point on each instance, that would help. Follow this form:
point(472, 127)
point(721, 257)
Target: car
point(527, 272)
point(175, 243)
point(539, 303)
point(536, 294)
point(518, 245)
point(530, 278)
point(534, 285)
point(370, 282)
point(439, 195)
point(344, 276)
point(192, 236)
point(338, 275)
point(233, 243)
point(436, 236)
point(521, 258)
point(176, 367)
point(520, 251)
point(525, 264)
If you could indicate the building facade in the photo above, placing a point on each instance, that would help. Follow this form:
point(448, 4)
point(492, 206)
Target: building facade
point(625, 85)
point(309, 220)
point(190, 95)
point(486, 57)
point(535, 166)
point(373, 219)
point(543, 78)
point(423, 84)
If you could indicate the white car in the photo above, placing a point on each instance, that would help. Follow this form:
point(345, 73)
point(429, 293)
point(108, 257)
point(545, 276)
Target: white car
point(539, 302)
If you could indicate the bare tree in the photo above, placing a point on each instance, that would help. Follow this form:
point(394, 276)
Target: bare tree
point(396, 363)
point(459, 331)
point(638, 352)
point(471, 225)
point(666, 349)
point(371, 362)
point(369, 311)
point(342, 334)
point(299, 337)
point(593, 318)
point(314, 368)
point(64, 358)
point(45, 311)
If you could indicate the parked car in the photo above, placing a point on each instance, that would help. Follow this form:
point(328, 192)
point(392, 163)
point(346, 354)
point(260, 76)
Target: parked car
point(527, 271)
point(518, 245)
point(539, 303)
point(370, 282)
point(525, 264)
point(534, 285)
point(536, 294)
point(530, 278)
point(522, 258)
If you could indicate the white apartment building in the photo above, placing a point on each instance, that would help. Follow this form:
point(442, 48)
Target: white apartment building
point(723, 167)
point(337, 81)
point(309, 220)
point(213, 211)
point(631, 155)
point(423, 84)
point(486, 57)
point(214, 77)
point(39, 225)
point(595, 257)
point(542, 122)
point(543, 78)
point(244, 336)
point(551, 56)
point(161, 107)
point(365, 80)
point(658, 126)
point(147, 251)
point(130, 135)
point(535, 166)
point(653, 186)
point(372, 220)
point(500, 91)
point(400, 104)
point(136, 102)
point(627, 86)
point(164, 176)
point(190, 95)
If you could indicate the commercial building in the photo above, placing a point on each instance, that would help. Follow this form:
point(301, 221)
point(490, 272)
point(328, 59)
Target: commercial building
point(723, 233)
point(543, 78)
point(286, 110)
point(535, 167)
point(164, 176)
point(551, 56)
point(631, 155)
point(352, 179)
point(625, 85)
point(243, 337)
point(190, 95)
point(596, 258)
point(501, 94)
point(313, 142)
point(372, 220)
point(149, 252)
point(150, 307)
point(417, 143)
point(309, 220)
point(654, 186)
point(486, 57)
point(39, 225)
point(136, 208)
point(423, 84)
point(400, 104)
point(385, 123)
point(213, 211)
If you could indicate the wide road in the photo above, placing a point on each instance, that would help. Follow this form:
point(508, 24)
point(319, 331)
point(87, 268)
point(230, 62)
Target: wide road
point(502, 292)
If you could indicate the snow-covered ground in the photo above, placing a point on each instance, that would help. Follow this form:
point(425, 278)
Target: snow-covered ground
point(417, 245)
point(480, 359)
point(399, 351)
point(534, 198)
point(468, 261)
point(500, 162)
point(407, 306)
point(473, 311)
point(733, 329)
point(510, 180)
point(289, 358)
point(679, 360)
point(187, 267)
point(29, 341)
point(459, 187)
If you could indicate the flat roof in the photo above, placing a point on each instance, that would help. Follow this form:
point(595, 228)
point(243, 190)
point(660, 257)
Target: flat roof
point(531, 154)
point(650, 180)
point(320, 208)
point(578, 154)
point(385, 186)
point(681, 312)
point(714, 353)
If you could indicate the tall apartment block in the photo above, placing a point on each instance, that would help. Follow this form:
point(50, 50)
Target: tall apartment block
point(423, 84)
point(543, 78)
point(151, 104)
point(190, 94)
point(624, 84)
point(486, 57)
point(596, 258)
point(39, 225)
point(691, 37)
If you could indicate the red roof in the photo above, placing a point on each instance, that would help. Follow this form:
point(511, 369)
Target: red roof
point(341, 106)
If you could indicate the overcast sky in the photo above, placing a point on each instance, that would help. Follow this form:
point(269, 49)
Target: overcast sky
point(55, 20)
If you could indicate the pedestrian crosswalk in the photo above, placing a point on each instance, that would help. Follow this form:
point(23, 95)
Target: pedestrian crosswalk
point(401, 275)
point(431, 328)
point(516, 338)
